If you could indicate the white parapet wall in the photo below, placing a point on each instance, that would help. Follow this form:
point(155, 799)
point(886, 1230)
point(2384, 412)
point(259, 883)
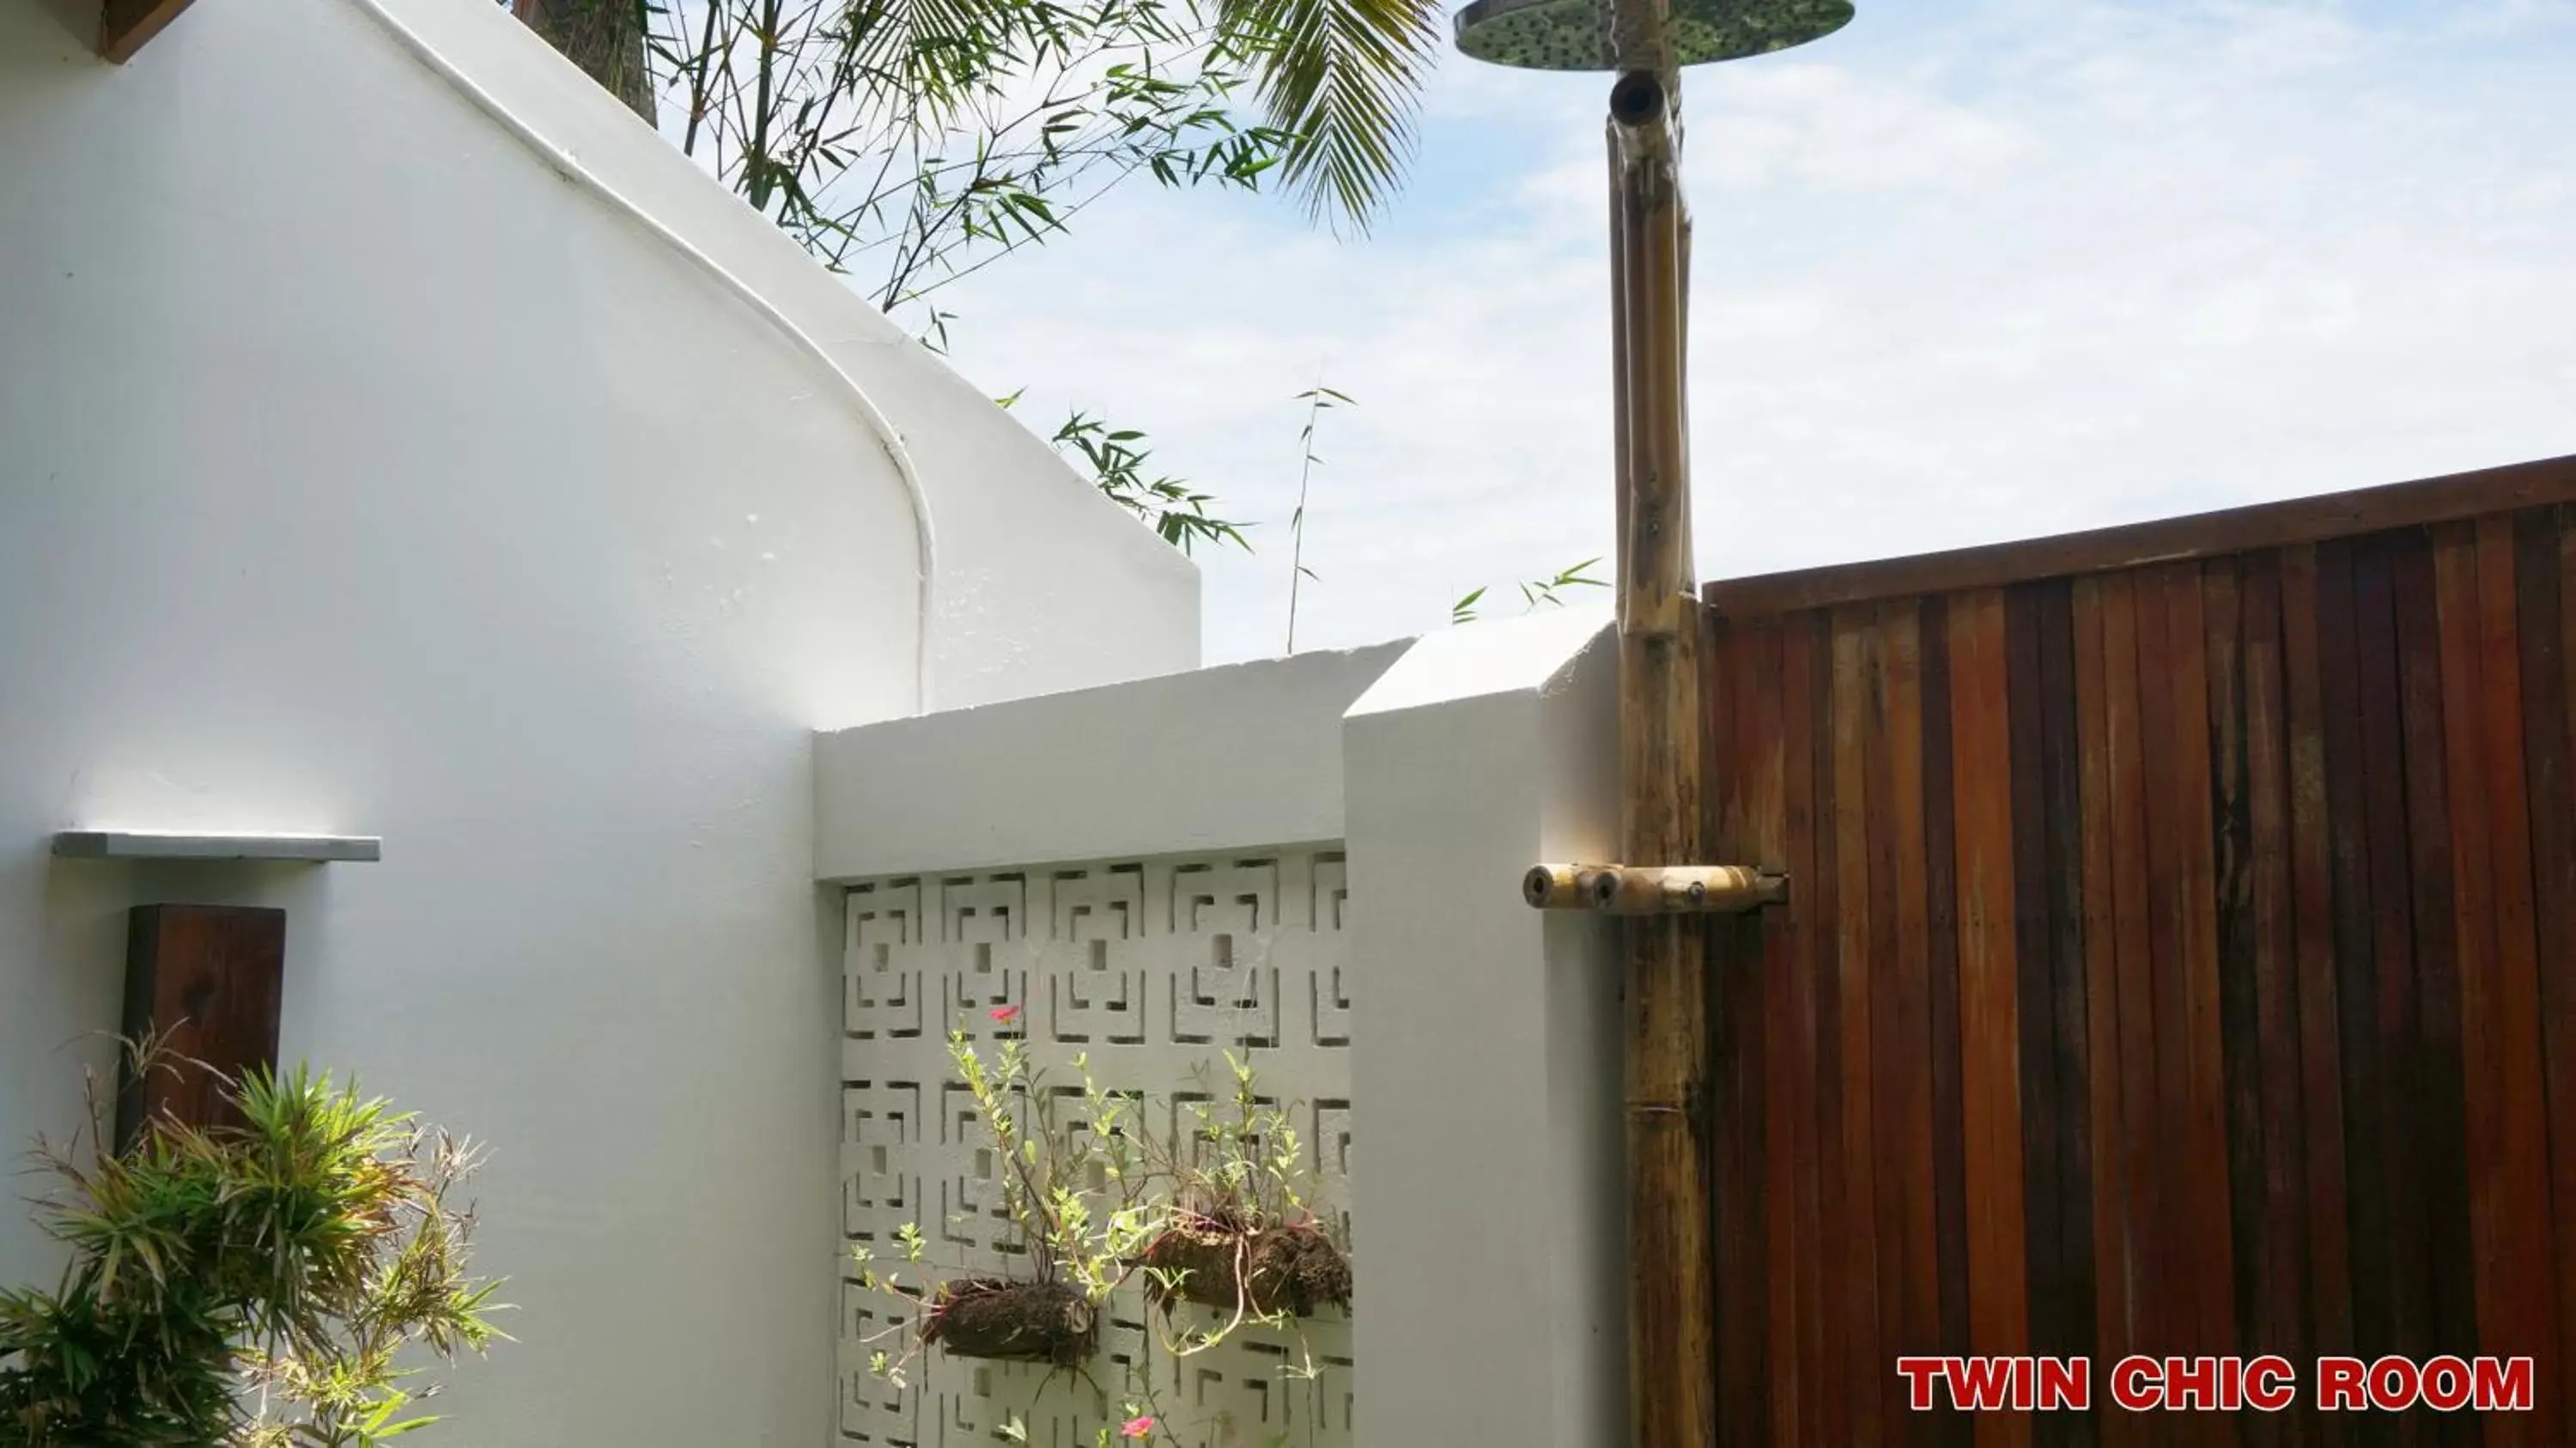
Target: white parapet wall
point(1312, 863)
point(1146, 877)
point(1485, 1043)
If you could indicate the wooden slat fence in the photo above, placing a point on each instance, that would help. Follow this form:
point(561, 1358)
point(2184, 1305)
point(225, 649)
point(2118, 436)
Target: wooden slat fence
point(2181, 960)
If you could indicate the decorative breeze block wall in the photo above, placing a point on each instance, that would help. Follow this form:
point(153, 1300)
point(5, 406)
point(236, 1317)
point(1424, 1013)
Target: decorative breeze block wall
point(1154, 969)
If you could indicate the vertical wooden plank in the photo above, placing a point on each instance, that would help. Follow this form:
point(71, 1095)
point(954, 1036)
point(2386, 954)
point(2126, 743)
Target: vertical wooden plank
point(1887, 1043)
point(2062, 793)
point(2328, 1261)
point(2499, 999)
point(2280, 1246)
point(2239, 1031)
point(2355, 968)
point(2541, 575)
point(2473, 861)
point(2406, 1258)
point(1941, 894)
point(1824, 962)
point(2034, 987)
point(1901, 732)
point(1735, 997)
point(207, 981)
point(1782, 715)
point(2429, 1072)
point(2169, 908)
point(1990, 1077)
point(2533, 1233)
point(2205, 1086)
point(2560, 1001)
point(1866, 1368)
point(2150, 1270)
point(1811, 897)
point(2116, 1264)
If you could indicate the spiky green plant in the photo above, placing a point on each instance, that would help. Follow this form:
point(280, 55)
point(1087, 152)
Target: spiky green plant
point(250, 1285)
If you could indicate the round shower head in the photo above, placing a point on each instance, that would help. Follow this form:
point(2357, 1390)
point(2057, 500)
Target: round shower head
point(1591, 34)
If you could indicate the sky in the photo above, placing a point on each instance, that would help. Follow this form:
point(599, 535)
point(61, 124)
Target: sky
point(1969, 270)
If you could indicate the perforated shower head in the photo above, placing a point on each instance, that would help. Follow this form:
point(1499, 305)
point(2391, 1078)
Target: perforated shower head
point(1595, 35)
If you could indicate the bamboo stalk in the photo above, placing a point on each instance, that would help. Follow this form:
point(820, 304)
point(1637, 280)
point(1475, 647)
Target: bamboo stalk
point(1672, 1308)
point(1654, 889)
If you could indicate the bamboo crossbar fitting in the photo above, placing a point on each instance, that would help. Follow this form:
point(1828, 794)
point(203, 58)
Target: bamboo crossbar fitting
point(1654, 889)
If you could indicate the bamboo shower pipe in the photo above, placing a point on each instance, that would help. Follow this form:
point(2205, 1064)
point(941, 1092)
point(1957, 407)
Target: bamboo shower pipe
point(1672, 1311)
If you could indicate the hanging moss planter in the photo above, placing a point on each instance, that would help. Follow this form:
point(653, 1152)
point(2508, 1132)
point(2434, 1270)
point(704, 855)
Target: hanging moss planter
point(1004, 1321)
point(1292, 1269)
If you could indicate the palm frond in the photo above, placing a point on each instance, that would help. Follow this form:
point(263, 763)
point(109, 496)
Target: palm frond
point(1344, 77)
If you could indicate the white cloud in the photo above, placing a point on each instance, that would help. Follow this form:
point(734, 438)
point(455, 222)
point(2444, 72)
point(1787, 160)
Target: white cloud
point(1964, 273)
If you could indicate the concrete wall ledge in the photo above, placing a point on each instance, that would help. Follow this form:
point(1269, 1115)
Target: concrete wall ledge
point(1211, 759)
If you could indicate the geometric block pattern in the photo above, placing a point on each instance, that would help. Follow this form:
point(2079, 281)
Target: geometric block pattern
point(1153, 969)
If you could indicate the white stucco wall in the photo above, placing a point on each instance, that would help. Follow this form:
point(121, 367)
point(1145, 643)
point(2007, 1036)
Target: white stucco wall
point(1485, 1044)
point(359, 473)
point(1212, 759)
point(1461, 1050)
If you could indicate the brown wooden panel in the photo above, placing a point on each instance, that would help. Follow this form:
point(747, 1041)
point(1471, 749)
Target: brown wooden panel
point(2279, 1239)
point(2499, 995)
point(1941, 904)
point(1911, 1111)
point(2404, 1256)
point(1835, 1216)
point(2034, 994)
point(2428, 1066)
point(2117, 1263)
point(2061, 790)
point(2234, 968)
point(1797, 1084)
point(206, 981)
point(2205, 1090)
point(2356, 1033)
point(2541, 574)
point(2315, 927)
point(1866, 1365)
point(2182, 959)
point(1990, 1084)
point(2150, 1277)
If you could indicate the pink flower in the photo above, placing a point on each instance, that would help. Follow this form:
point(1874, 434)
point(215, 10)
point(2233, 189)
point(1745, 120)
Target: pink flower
point(1136, 1428)
point(1006, 1015)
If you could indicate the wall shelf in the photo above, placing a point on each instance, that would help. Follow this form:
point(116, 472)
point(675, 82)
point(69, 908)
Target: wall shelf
point(144, 845)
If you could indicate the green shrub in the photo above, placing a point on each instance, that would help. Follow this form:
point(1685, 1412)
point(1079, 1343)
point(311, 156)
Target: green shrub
point(250, 1286)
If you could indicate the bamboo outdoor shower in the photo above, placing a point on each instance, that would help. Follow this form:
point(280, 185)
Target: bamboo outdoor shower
point(1672, 1311)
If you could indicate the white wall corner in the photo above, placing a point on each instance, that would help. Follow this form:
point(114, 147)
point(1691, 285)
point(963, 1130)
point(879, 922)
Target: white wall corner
point(1248, 754)
point(1491, 1250)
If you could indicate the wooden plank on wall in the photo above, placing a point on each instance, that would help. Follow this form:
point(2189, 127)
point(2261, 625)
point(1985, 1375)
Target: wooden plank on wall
point(1941, 936)
point(1866, 1366)
point(2116, 1261)
point(207, 981)
point(1798, 1193)
point(2179, 963)
point(2320, 1064)
point(1901, 733)
point(2542, 549)
point(1989, 1028)
point(2431, 1082)
point(2279, 1245)
point(125, 25)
